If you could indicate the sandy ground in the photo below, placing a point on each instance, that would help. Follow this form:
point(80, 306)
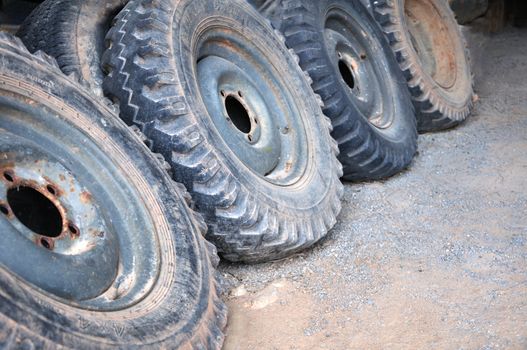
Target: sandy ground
point(433, 258)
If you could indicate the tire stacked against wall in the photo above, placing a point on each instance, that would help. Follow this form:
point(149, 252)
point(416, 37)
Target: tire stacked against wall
point(257, 116)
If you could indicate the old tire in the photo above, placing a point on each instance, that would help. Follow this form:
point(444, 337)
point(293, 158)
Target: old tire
point(434, 58)
point(353, 69)
point(223, 99)
point(73, 32)
point(99, 249)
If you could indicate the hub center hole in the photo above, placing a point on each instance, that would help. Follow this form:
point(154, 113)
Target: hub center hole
point(347, 74)
point(35, 211)
point(238, 114)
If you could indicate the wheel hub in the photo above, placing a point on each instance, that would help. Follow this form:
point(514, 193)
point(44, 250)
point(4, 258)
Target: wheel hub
point(71, 223)
point(53, 220)
point(431, 41)
point(240, 115)
point(351, 52)
point(47, 212)
point(251, 112)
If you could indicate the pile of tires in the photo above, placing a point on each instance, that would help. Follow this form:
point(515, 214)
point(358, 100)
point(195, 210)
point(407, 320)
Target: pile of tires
point(144, 137)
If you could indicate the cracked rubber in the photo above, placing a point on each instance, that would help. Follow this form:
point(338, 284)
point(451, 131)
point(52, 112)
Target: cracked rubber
point(183, 310)
point(366, 151)
point(151, 75)
point(73, 32)
point(437, 107)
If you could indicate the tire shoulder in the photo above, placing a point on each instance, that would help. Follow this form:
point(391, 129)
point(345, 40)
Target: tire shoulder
point(355, 138)
point(432, 112)
point(242, 228)
point(210, 332)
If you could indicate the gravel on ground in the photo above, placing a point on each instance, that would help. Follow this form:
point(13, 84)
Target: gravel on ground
point(432, 258)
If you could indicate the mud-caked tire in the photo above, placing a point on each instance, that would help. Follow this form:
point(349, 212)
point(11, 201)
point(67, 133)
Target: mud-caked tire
point(72, 31)
point(352, 68)
point(216, 90)
point(99, 248)
point(433, 57)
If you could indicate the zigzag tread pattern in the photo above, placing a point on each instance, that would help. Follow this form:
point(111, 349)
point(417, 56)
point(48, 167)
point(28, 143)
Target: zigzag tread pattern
point(433, 111)
point(363, 156)
point(210, 334)
point(240, 230)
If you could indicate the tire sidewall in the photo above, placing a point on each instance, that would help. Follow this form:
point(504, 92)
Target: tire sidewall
point(460, 94)
point(402, 132)
point(315, 186)
point(184, 294)
point(91, 24)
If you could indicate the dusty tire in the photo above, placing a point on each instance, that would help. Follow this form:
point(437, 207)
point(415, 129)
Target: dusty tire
point(225, 134)
point(434, 58)
point(73, 32)
point(75, 279)
point(353, 69)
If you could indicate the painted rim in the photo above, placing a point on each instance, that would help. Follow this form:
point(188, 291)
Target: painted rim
point(72, 225)
point(250, 107)
point(352, 52)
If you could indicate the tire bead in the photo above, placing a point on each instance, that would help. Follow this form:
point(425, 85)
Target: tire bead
point(364, 152)
point(434, 111)
point(32, 319)
point(241, 225)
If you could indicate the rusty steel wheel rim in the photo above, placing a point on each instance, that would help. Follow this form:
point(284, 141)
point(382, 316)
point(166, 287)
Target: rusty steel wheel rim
point(352, 50)
point(250, 107)
point(432, 41)
point(72, 225)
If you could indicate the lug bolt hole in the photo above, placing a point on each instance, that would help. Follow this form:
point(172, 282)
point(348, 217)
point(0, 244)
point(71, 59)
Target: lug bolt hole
point(9, 176)
point(240, 94)
point(45, 243)
point(4, 209)
point(223, 93)
point(73, 229)
point(250, 137)
point(51, 190)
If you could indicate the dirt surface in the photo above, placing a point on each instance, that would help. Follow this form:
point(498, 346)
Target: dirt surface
point(433, 258)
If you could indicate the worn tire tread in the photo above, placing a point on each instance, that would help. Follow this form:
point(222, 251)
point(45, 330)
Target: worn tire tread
point(209, 334)
point(242, 229)
point(362, 154)
point(434, 113)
